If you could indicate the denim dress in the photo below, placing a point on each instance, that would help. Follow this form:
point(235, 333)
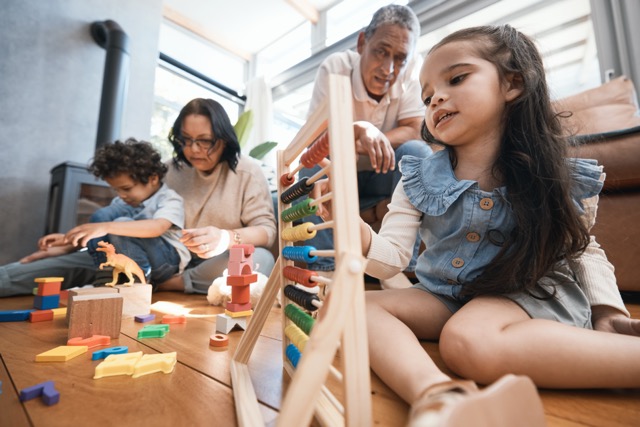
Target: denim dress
point(464, 227)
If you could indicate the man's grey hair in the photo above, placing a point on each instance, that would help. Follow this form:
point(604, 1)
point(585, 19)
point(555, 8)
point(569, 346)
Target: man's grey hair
point(394, 14)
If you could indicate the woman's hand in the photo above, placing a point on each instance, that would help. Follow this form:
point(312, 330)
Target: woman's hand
point(372, 142)
point(608, 319)
point(206, 242)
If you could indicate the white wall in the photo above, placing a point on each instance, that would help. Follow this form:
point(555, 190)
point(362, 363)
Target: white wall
point(50, 86)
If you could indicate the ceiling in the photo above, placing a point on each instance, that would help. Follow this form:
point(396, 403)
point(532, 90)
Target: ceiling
point(262, 21)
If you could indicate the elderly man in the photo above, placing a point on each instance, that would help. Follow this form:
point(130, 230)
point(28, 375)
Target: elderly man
point(387, 110)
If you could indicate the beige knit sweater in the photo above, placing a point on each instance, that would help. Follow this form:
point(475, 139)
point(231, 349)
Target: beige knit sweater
point(225, 199)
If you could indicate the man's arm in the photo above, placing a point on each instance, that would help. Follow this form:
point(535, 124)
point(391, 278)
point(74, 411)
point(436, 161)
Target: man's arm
point(407, 130)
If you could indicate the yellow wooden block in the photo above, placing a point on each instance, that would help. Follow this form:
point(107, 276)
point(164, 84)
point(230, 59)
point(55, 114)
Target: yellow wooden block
point(48, 279)
point(61, 311)
point(117, 364)
point(150, 363)
point(238, 313)
point(62, 353)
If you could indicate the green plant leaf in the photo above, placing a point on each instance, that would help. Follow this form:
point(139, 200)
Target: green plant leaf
point(243, 127)
point(261, 150)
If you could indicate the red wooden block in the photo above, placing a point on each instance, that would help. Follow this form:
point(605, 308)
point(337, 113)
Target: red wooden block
point(40, 315)
point(49, 288)
point(218, 340)
point(242, 280)
point(240, 294)
point(234, 307)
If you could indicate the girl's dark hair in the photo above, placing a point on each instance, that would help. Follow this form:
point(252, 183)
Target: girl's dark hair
point(138, 159)
point(221, 128)
point(532, 164)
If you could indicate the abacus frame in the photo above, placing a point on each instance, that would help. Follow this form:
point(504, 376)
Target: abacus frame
point(341, 323)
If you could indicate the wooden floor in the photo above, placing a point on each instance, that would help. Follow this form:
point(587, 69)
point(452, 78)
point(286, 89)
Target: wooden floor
point(202, 380)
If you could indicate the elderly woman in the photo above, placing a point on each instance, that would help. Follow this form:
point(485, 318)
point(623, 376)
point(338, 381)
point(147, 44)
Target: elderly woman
point(226, 196)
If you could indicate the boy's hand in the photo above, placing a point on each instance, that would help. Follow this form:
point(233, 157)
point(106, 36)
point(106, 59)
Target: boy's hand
point(47, 253)
point(80, 235)
point(608, 319)
point(51, 240)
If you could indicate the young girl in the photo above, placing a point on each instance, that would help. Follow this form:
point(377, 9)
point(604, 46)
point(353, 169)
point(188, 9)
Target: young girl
point(510, 281)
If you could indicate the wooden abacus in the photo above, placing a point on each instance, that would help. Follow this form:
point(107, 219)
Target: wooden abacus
point(310, 345)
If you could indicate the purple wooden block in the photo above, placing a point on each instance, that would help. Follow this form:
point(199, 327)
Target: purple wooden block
point(142, 318)
point(46, 389)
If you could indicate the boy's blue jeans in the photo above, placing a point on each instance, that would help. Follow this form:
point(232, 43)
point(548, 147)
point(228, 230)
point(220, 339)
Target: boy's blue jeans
point(372, 188)
point(155, 256)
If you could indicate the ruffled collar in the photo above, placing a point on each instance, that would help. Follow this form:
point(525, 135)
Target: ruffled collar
point(432, 187)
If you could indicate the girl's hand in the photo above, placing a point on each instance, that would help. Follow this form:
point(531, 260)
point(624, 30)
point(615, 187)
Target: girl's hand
point(608, 319)
point(80, 235)
point(206, 242)
point(322, 187)
point(372, 142)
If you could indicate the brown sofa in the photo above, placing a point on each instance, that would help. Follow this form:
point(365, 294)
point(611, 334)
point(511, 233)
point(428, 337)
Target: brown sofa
point(605, 125)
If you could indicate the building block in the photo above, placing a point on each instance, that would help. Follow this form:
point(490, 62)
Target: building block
point(49, 288)
point(105, 352)
point(240, 294)
point(225, 323)
point(143, 318)
point(46, 390)
point(236, 314)
point(153, 331)
point(219, 340)
point(150, 363)
point(40, 315)
point(99, 314)
point(243, 280)
point(87, 291)
point(45, 302)
point(48, 279)
point(240, 260)
point(91, 342)
point(235, 308)
point(59, 312)
point(137, 299)
point(117, 364)
point(64, 297)
point(170, 318)
point(15, 315)
point(62, 353)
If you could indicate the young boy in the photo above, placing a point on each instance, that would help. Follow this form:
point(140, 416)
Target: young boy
point(143, 222)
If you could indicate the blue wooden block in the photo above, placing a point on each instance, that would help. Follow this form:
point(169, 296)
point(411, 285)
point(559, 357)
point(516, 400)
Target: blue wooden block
point(15, 315)
point(45, 302)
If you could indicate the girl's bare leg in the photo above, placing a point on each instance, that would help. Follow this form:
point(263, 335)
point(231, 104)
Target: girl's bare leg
point(396, 318)
point(492, 336)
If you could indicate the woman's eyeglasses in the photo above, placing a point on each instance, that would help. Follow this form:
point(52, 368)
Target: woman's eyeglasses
point(203, 144)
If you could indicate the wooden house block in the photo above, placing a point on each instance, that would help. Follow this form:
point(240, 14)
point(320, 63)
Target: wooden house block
point(137, 299)
point(99, 314)
point(86, 291)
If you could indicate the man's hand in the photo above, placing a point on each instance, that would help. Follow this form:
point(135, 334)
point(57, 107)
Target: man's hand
point(372, 142)
point(47, 253)
point(608, 319)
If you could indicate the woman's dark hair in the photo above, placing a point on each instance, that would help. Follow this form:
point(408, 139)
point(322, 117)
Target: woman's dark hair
point(221, 128)
point(138, 159)
point(532, 164)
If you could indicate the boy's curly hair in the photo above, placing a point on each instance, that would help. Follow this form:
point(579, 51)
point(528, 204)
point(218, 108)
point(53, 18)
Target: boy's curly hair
point(138, 159)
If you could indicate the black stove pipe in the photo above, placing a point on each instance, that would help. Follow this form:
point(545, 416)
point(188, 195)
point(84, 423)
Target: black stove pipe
point(110, 36)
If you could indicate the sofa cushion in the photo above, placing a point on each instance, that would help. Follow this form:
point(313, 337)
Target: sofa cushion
point(612, 106)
